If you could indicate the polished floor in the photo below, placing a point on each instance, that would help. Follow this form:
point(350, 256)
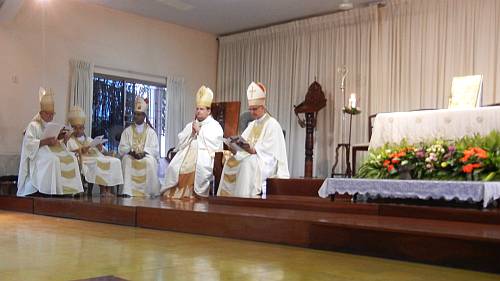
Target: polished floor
point(46, 248)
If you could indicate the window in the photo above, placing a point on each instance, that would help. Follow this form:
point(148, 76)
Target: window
point(113, 107)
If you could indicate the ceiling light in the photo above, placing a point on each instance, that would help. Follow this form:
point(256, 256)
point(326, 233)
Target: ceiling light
point(346, 5)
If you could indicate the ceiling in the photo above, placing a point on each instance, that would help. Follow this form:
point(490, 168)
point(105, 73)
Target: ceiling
point(227, 16)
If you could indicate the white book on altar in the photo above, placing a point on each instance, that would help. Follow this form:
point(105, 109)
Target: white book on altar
point(466, 92)
point(52, 130)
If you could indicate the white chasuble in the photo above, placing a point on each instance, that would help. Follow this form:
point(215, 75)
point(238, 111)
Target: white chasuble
point(95, 166)
point(244, 174)
point(49, 170)
point(191, 168)
point(140, 177)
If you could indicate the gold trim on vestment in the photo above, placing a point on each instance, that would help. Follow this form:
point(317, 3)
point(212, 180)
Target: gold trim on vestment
point(105, 166)
point(68, 174)
point(137, 193)
point(139, 140)
point(68, 159)
point(100, 181)
point(139, 179)
point(232, 162)
point(223, 192)
point(56, 148)
point(69, 190)
point(184, 187)
point(138, 164)
point(257, 131)
point(230, 178)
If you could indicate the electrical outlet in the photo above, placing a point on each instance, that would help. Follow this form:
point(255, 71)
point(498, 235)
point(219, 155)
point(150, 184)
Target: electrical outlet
point(15, 79)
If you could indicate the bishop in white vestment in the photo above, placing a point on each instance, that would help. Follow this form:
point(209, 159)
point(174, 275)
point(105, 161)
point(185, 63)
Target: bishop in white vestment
point(262, 157)
point(140, 151)
point(46, 165)
point(191, 168)
point(105, 171)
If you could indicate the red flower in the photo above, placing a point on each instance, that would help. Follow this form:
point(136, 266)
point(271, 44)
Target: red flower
point(470, 167)
point(477, 151)
point(386, 162)
point(395, 161)
point(390, 168)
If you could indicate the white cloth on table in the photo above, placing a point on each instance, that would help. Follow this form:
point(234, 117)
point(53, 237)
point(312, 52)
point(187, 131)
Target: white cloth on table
point(418, 126)
point(484, 192)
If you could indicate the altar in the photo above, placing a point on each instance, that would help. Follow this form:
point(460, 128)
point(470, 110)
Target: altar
point(485, 192)
point(448, 124)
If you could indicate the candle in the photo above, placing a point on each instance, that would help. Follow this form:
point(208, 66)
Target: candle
point(352, 101)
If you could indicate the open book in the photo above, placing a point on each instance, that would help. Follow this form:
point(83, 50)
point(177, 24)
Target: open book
point(52, 130)
point(97, 141)
point(235, 142)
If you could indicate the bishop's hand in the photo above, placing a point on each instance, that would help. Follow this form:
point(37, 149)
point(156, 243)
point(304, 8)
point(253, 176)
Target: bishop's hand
point(246, 146)
point(49, 142)
point(195, 128)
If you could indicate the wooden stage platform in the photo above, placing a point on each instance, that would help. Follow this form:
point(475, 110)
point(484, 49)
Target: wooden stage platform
point(293, 215)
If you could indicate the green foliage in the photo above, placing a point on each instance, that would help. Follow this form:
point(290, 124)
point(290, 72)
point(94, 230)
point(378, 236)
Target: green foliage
point(469, 158)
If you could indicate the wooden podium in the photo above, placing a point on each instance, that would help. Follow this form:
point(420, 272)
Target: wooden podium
point(314, 102)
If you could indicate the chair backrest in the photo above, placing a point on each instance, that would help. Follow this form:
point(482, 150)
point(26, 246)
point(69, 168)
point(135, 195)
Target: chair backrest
point(466, 92)
point(228, 115)
point(371, 119)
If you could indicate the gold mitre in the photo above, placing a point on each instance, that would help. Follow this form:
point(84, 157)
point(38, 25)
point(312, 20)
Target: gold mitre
point(76, 116)
point(256, 94)
point(46, 98)
point(204, 97)
point(141, 105)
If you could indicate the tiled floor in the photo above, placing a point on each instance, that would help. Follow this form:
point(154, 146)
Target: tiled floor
point(45, 248)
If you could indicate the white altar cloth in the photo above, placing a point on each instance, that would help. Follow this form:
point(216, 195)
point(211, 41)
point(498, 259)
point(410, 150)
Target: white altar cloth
point(484, 192)
point(449, 124)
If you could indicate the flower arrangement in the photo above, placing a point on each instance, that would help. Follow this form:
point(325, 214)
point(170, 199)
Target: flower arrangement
point(474, 158)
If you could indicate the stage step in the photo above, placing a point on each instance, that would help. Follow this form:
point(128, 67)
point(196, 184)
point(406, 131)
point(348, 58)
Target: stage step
point(308, 203)
point(353, 228)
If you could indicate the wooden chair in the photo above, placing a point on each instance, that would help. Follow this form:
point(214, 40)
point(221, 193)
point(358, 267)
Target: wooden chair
point(362, 146)
point(228, 116)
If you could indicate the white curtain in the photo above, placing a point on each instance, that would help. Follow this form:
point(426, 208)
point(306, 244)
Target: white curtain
point(179, 109)
point(399, 57)
point(81, 89)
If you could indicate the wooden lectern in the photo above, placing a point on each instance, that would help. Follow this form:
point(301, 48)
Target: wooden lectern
point(314, 102)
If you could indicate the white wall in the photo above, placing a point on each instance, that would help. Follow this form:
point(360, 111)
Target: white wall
point(95, 34)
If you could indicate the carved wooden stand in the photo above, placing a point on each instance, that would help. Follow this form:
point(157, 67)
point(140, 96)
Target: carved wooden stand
point(314, 102)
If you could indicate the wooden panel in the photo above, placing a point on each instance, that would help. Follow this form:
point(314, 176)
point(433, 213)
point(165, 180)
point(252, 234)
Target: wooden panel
point(297, 203)
point(475, 255)
point(17, 204)
point(294, 186)
point(232, 113)
point(241, 226)
point(442, 213)
point(228, 115)
point(79, 209)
